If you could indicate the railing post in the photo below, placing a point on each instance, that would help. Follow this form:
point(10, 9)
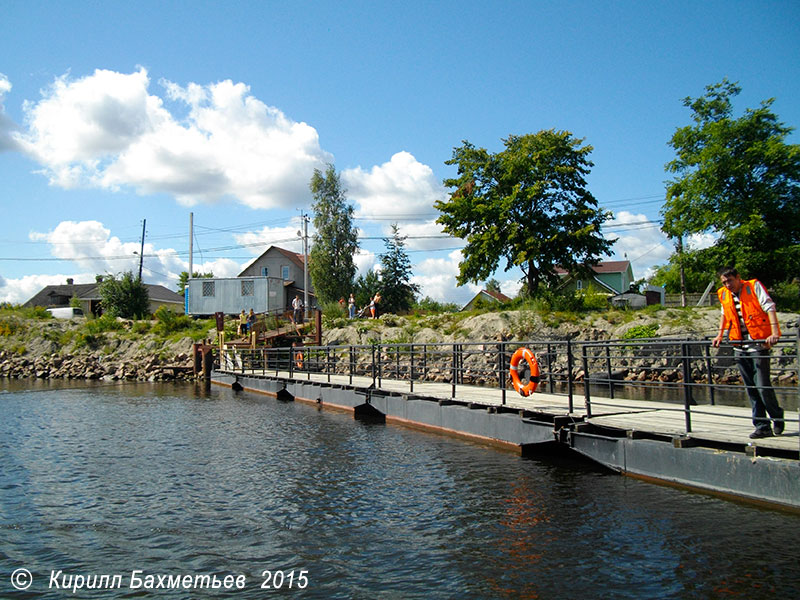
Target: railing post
point(380, 364)
point(549, 354)
point(709, 375)
point(352, 364)
point(453, 372)
point(797, 373)
point(586, 395)
point(608, 370)
point(687, 386)
point(411, 367)
point(373, 367)
point(328, 362)
point(397, 362)
point(501, 374)
point(570, 366)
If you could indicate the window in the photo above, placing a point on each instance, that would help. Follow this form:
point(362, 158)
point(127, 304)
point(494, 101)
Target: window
point(264, 272)
point(579, 285)
point(248, 287)
point(284, 272)
point(208, 288)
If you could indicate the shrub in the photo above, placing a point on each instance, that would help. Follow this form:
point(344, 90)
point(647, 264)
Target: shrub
point(170, 322)
point(333, 309)
point(9, 326)
point(89, 340)
point(641, 332)
point(593, 299)
point(102, 324)
point(28, 312)
point(141, 327)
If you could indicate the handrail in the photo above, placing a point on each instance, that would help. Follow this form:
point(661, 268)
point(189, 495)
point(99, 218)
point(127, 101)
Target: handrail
point(621, 366)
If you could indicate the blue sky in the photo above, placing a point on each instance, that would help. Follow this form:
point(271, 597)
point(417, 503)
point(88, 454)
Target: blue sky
point(115, 112)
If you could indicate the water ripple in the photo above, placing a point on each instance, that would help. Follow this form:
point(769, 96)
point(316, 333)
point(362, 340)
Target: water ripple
point(179, 480)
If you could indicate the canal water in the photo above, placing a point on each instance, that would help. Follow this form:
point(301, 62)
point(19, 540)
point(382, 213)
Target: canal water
point(176, 482)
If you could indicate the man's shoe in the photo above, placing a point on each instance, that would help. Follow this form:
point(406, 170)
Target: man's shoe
point(761, 433)
point(778, 426)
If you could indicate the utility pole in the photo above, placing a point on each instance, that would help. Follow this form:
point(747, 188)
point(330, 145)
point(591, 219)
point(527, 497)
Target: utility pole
point(191, 247)
point(141, 251)
point(682, 272)
point(305, 263)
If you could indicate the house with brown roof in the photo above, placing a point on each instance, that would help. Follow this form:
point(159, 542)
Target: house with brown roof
point(486, 297)
point(612, 276)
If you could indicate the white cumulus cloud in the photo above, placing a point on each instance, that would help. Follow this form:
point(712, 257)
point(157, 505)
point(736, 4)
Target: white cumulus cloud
point(401, 189)
point(257, 242)
point(91, 247)
point(7, 126)
point(437, 279)
point(107, 130)
point(640, 241)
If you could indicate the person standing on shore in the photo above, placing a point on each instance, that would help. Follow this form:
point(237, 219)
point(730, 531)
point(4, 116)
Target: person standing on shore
point(751, 321)
point(251, 321)
point(297, 307)
point(351, 307)
point(373, 305)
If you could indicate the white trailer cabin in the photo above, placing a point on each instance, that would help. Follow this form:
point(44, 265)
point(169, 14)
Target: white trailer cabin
point(231, 295)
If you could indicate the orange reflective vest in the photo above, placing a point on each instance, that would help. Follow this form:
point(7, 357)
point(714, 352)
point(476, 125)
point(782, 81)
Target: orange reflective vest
point(755, 319)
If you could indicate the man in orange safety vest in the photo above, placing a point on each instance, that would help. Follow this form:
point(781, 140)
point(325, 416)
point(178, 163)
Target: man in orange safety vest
point(751, 322)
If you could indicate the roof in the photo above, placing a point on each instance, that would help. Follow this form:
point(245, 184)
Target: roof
point(297, 259)
point(497, 295)
point(162, 294)
point(492, 296)
point(607, 266)
point(88, 291)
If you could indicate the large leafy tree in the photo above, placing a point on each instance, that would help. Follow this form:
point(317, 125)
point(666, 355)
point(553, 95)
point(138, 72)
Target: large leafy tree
point(738, 178)
point(397, 291)
point(124, 296)
point(335, 240)
point(527, 204)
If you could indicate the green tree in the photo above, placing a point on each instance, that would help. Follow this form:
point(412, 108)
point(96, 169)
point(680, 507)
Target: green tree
point(527, 204)
point(335, 242)
point(699, 268)
point(493, 285)
point(397, 291)
point(365, 287)
point(124, 296)
point(429, 305)
point(183, 279)
point(739, 178)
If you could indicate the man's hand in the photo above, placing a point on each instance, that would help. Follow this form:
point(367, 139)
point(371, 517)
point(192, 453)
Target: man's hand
point(772, 340)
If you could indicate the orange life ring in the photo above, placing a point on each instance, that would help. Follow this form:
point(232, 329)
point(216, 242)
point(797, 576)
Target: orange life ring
point(524, 353)
point(298, 359)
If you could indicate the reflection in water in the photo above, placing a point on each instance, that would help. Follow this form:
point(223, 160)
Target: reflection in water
point(180, 479)
point(526, 532)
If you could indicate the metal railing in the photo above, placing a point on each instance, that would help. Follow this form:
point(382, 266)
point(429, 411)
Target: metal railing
point(682, 372)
